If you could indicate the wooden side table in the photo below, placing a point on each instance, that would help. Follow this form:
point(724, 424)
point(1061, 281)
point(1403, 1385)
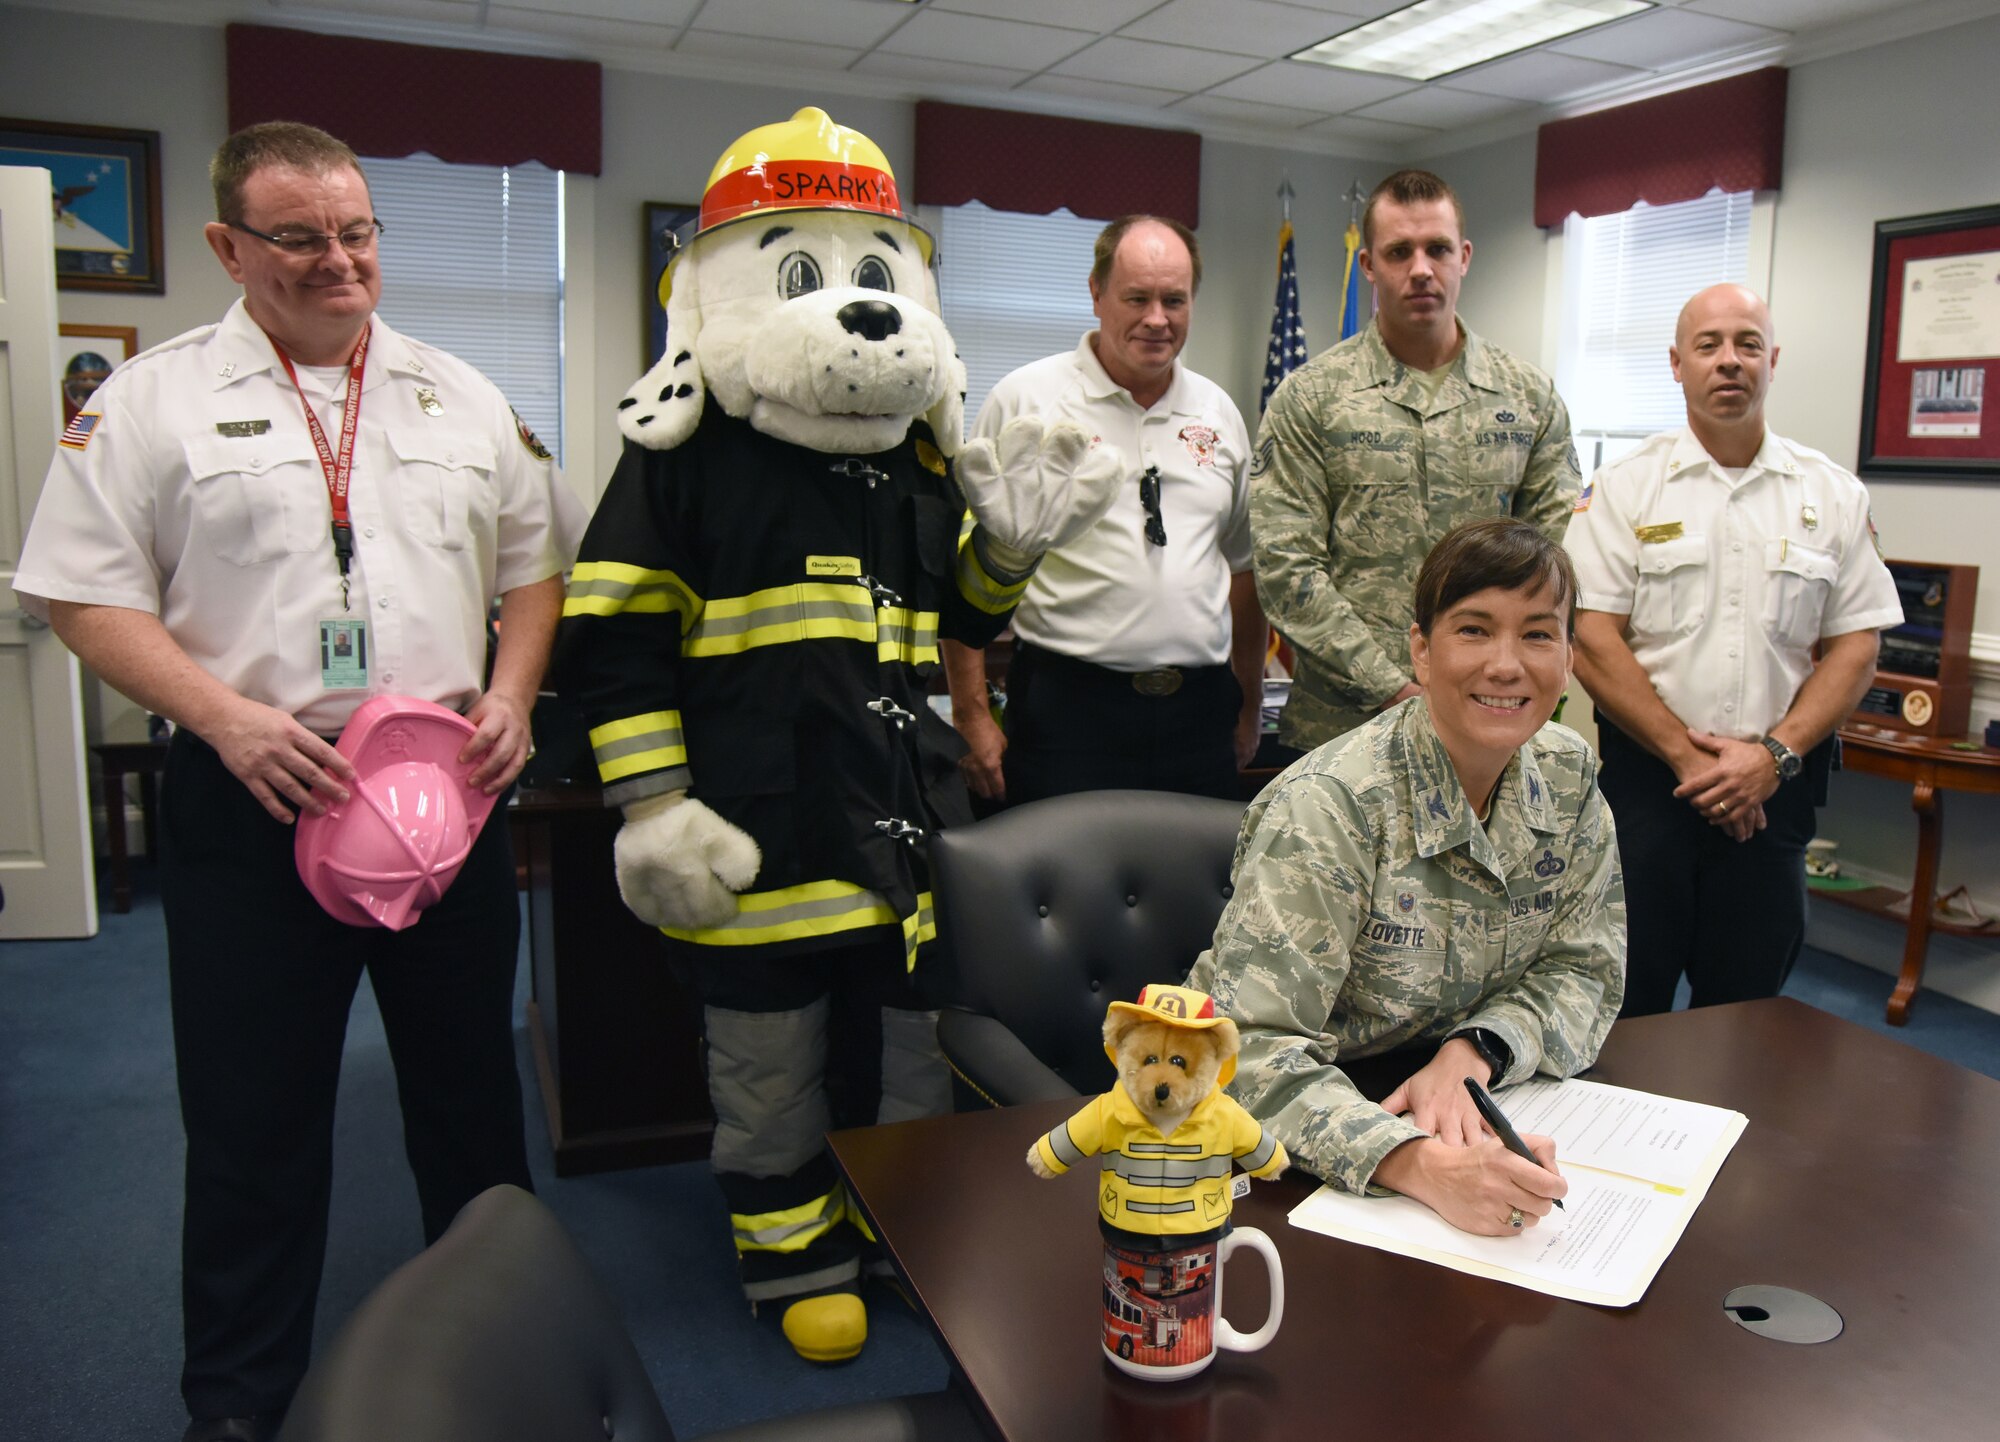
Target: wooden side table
point(1931, 766)
point(115, 760)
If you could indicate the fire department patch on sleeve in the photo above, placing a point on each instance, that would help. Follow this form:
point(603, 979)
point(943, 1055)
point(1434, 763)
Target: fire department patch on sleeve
point(535, 448)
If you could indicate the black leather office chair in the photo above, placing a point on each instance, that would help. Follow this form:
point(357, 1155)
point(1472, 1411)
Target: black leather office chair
point(1052, 910)
point(500, 1332)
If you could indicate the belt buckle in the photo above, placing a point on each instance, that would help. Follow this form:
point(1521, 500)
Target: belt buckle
point(1160, 681)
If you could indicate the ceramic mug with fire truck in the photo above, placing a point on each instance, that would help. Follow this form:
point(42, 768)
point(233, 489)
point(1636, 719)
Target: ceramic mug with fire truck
point(1163, 1300)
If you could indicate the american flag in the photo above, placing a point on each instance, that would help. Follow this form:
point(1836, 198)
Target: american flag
point(1350, 288)
point(1287, 350)
point(77, 434)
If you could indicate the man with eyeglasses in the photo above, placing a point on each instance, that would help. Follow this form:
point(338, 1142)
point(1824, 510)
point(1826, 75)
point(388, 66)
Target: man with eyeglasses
point(1370, 452)
point(1139, 651)
point(250, 530)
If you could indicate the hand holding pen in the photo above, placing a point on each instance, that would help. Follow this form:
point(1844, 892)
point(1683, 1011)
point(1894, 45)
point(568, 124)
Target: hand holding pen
point(1509, 1138)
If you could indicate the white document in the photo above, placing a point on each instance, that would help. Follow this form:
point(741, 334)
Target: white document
point(1638, 1165)
point(1951, 308)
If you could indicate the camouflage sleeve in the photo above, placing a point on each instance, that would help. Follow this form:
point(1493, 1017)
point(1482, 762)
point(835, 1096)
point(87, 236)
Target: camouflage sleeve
point(1280, 959)
point(1549, 486)
point(1291, 522)
point(1556, 1016)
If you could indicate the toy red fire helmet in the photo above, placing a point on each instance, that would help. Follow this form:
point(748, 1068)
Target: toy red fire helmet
point(398, 841)
point(1180, 1006)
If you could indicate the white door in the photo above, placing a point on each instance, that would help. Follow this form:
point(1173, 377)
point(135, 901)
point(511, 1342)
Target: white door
point(45, 860)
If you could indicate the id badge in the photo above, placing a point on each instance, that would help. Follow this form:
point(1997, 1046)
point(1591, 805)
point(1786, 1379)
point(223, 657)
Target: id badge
point(343, 654)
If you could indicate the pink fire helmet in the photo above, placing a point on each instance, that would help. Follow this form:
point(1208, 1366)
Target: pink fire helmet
point(396, 843)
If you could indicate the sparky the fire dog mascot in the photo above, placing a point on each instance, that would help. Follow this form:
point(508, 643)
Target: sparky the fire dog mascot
point(750, 631)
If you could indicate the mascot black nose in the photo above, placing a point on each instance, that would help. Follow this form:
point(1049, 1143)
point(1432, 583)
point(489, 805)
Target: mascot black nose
point(872, 319)
point(1161, 1092)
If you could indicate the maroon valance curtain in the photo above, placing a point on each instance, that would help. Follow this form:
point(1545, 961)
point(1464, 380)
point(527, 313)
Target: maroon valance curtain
point(1730, 133)
point(1041, 163)
point(387, 99)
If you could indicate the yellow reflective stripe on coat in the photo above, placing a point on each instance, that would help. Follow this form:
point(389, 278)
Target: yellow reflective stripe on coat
point(610, 588)
point(816, 908)
point(651, 742)
point(809, 611)
point(792, 1229)
point(979, 587)
point(906, 636)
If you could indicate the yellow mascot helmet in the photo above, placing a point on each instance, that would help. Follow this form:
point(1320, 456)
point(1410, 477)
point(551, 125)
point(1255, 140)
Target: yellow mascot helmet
point(805, 163)
point(1177, 1006)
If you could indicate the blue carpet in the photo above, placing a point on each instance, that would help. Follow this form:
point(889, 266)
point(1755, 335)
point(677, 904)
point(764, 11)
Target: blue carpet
point(90, 1163)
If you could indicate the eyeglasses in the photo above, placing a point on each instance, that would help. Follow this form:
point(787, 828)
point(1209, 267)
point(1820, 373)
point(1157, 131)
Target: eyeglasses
point(1149, 497)
point(358, 241)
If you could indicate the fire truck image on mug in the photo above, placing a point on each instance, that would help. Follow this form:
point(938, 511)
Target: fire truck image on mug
point(1159, 1306)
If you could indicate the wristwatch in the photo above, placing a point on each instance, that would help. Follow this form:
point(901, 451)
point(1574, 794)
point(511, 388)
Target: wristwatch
point(1783, 757)
point(1493, 1051)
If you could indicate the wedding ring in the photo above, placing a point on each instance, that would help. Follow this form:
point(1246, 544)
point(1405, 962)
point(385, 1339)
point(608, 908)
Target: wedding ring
point(1514, 1218)
point(1722, 808)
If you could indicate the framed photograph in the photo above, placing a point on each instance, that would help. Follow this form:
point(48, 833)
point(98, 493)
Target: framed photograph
point(1933, 346)
point(106, 194)
point(668, 226)
point(88, 354)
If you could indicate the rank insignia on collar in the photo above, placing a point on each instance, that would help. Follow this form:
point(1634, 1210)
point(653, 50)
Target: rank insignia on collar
point(241, 428)
point(535, 448)
point(428, 403)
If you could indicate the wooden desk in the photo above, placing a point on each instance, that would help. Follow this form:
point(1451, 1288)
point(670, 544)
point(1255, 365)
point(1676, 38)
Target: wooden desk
point(1868, 1177)
point(1932, 767)
point(145, 759)
point(616, 1039)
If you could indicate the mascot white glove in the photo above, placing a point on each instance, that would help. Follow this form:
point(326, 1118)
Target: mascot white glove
point(1035, 488)
point(679, 864)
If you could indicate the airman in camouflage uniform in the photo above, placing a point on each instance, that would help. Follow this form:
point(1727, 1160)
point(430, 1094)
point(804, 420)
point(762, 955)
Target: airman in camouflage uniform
point(1373, 450)
point(1372, 910)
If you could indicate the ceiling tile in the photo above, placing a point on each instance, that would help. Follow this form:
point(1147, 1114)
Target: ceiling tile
point(1312, 87)
point(856, 24)
point(643, 12)
point(447, 12)
point(1141, 62)
point(1360, 130)
point(1439, 106)
point(952, 72)
point(1082, 87)
point(1662, 39)
point(621, 33)
point(940, 36)
point(1354, 11)
point(1542, 75)
point(751, 50)
point(1248, 112)
point(1097, 16)
point(1797, 15)
point(1247, 27)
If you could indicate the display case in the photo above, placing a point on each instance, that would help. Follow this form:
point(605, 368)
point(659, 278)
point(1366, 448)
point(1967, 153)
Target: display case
point(1923, 677)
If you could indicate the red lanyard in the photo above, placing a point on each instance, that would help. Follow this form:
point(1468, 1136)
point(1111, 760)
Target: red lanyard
point(338, 468)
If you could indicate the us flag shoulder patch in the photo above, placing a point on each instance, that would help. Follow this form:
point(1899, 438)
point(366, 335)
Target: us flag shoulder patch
point(77, 435)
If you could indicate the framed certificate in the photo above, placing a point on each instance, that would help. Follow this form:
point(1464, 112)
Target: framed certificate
point(1933, 348)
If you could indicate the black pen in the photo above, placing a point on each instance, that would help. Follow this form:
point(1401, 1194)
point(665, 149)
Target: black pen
point(1502, 1128)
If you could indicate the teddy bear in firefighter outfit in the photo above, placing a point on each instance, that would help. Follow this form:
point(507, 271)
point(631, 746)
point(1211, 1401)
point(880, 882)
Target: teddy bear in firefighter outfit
point(750, 630)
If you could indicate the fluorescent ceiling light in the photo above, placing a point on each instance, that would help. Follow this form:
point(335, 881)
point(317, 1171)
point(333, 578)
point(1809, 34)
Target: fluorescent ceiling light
point(1437, 37)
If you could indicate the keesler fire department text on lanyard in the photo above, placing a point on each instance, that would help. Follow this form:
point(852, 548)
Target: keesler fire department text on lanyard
point(343, 644)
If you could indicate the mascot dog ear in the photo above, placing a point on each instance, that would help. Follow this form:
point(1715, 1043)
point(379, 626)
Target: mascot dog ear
point(947, 418)
point(662, 409)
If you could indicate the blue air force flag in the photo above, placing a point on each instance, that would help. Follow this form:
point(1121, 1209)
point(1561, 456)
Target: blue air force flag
point(1287, 351)
point(1350, 286)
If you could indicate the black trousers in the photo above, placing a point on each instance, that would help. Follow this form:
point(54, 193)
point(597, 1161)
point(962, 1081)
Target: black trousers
point(1730, 915)
point(262, 980)
point(1072, 726)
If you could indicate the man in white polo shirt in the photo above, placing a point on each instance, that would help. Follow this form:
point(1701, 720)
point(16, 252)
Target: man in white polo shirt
point(1140, 647)
point(1710, 562)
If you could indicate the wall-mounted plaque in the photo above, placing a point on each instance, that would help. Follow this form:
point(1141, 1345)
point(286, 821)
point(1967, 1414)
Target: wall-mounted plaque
point(1923, 677)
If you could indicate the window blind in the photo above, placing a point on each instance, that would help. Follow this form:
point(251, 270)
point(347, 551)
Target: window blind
point(472, 263)
point(1632, 273)
point(1014, 288)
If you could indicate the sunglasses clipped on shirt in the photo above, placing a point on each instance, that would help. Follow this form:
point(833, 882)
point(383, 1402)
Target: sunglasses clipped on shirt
point(1149, 497)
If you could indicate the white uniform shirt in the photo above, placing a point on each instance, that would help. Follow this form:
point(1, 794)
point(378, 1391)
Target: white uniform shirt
point(1112, 597)
point(1729, 583)
point(200, 499)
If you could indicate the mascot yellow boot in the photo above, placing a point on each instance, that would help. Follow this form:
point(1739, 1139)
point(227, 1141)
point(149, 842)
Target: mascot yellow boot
point(751, 631)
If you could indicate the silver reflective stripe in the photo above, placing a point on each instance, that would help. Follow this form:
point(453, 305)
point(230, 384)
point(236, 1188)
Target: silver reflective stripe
point(1165, 1149)
point(1162, 1208)
point(1161, 1173)
point(654, 740)
point(713, 628)
point(1067, 1152)
point(766, 1074)
point(833, 1206)
point(1262, 1156)
point(799, 1286)
point(916, 1080)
